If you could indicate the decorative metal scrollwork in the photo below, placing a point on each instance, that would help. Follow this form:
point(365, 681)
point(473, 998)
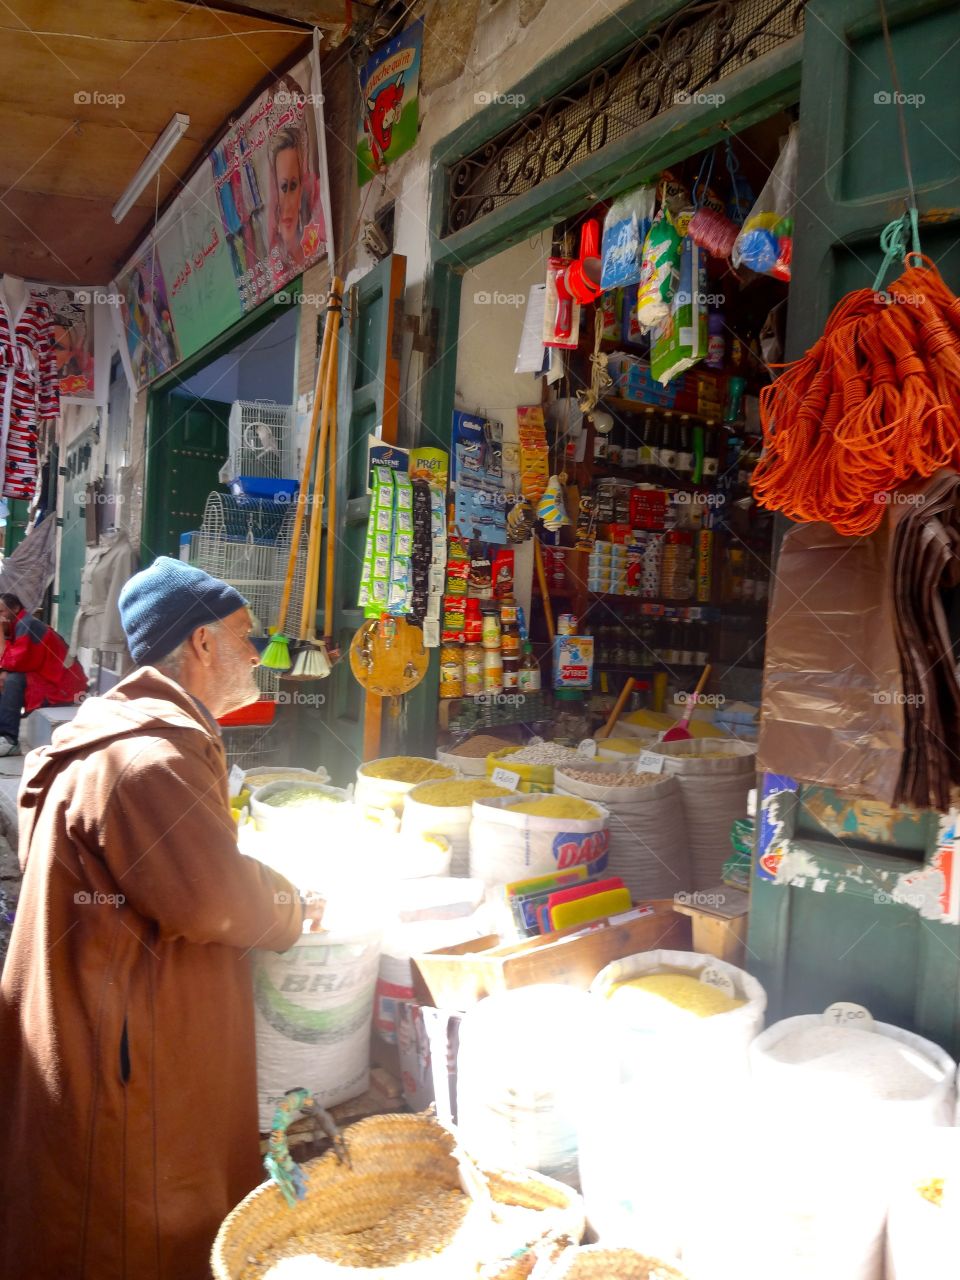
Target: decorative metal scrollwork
point(696, 47)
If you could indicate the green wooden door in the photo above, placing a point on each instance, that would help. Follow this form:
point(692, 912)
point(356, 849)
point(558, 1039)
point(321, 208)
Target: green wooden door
point(73, 534)
point(186, 446)
point(368, 404)
point(838, 932)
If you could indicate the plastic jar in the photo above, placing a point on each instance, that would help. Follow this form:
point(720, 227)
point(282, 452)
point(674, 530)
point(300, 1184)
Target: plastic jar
point(473, 670)
point(491, 630)
point(492, 671)
point(451, 671)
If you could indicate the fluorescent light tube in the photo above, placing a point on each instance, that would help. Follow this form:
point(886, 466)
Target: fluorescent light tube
point(171, 135)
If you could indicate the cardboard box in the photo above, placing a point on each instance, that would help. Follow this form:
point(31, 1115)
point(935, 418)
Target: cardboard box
point(461, 976)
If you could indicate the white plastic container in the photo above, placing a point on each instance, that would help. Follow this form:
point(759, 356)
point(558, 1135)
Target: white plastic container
point(530, 1061)
point(313, 1009)
point(505, 845)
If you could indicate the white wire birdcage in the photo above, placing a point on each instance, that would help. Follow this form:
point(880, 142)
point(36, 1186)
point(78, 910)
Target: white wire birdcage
point(238, 542)
point(261, 441)
point(250, 746)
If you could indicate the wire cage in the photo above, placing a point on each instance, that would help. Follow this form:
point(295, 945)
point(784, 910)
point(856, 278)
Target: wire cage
point(262, 443)
point(251, 746)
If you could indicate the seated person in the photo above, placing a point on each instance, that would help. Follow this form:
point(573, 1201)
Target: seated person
point(33, 672)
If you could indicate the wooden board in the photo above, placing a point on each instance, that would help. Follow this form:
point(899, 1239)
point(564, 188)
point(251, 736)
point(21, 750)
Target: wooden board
point(459, 977)
point(79, 115)
point(397, 666)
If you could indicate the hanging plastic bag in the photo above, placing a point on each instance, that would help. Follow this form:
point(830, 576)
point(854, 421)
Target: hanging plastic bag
point(624, 230)
point(766, 242)
point(661, 268)
point(682, 338)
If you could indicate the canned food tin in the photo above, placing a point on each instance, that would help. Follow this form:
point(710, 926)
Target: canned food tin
point(567, 624)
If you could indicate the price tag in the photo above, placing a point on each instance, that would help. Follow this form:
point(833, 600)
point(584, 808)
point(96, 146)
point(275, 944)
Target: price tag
point(711, 976)
point(588, 748)
point(235, 781)
point(649, 762)
point(842, 1013)
point(505, 778)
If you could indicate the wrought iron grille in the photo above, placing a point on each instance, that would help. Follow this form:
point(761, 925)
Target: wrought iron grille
point(695, 48)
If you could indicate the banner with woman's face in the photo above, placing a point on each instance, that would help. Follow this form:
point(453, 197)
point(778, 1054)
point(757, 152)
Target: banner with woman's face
point(252, 218)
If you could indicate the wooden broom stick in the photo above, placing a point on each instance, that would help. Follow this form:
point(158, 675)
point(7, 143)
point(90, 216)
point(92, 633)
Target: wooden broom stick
point(332, 504)
point(307, 469)
point(312, 581)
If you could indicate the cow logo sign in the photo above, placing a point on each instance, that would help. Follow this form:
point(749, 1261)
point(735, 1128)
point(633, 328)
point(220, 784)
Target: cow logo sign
point(389, 105)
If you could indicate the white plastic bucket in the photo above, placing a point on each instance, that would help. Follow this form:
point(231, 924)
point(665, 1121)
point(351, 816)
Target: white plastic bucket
point(313, 1008)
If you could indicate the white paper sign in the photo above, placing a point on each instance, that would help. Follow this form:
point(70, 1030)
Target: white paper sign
point(843, 1013)
point(649, 762)
point(431, 633)
point(505, 778)
point(588, 748)
point(711, 976)
point(235, 781)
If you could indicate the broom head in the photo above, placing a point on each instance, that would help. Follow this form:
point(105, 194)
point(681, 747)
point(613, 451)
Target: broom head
point(276, 656)
point(311, 663)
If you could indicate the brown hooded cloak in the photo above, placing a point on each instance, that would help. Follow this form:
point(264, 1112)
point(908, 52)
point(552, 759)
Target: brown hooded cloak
point(128, 1109)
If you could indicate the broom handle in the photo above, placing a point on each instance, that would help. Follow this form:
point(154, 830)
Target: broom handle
point(332, 504)
point(699, 689)
point(302, 492)
point(544, 592)
point(615, 714)
point(312, 582)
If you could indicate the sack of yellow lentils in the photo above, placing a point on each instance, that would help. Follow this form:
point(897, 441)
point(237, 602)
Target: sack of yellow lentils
point(445, 808)
point(522, 836)
point(386, 783)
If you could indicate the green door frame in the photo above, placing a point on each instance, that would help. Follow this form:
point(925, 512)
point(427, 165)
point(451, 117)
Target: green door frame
point(160, 390)
point(753, 93)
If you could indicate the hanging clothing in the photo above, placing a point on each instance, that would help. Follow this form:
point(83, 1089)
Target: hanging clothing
point(29, 570)
point(29, 390)
point(97, 622)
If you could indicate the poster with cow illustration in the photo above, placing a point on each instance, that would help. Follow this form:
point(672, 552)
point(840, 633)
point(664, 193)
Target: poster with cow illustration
point(389, 112)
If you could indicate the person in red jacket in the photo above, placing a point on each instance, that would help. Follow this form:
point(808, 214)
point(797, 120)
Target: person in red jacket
point(33, 671)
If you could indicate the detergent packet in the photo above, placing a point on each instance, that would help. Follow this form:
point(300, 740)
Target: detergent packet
point(624, 230)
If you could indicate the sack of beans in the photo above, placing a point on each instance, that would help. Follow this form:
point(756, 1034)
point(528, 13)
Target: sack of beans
point(530, 768)
point(648, 844)
point(522, 836)
point(470, 756)
point(715, 777)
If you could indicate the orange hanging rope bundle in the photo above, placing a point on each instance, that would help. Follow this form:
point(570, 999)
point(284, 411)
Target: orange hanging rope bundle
point(874, 403)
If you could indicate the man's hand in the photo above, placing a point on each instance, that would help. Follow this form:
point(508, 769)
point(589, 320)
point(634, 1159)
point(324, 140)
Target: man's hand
point(313, 909)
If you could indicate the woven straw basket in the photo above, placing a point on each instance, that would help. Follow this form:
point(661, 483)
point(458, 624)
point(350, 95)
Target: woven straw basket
point(596, 1262)
point(395, 1159)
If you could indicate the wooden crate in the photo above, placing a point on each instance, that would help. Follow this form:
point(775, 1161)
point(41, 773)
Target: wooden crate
point(457, 978)
point(719, 918)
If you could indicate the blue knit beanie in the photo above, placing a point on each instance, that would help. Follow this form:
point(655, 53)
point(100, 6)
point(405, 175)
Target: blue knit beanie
point(162, 605)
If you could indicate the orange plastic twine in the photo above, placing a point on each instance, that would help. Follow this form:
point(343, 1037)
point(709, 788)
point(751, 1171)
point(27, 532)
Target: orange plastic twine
point(874, 403)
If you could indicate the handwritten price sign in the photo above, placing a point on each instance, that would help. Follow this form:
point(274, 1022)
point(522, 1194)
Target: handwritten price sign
point(842, 1013)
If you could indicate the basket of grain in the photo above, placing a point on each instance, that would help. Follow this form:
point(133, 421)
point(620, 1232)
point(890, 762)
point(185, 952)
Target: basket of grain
point(396, 1212)
point(470, 757)
point(601, 1262)
point(445, 808)
point(386, 783)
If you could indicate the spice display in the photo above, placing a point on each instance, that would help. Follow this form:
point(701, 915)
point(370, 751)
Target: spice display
point(456, 794)
point(557, 807)
point(680, 990)
point(481, 745)
point(406, 769)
